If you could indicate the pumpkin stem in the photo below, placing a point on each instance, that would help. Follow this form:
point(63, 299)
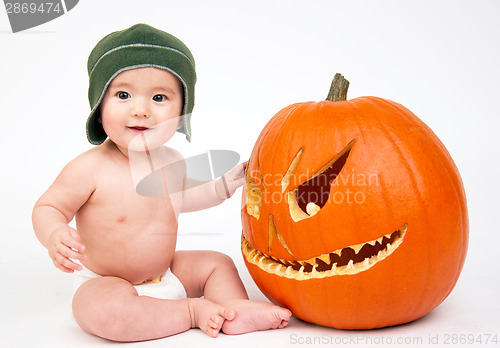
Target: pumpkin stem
point(338, 89)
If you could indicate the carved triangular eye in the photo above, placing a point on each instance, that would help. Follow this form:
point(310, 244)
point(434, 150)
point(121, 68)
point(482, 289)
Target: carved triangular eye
point(308, 198)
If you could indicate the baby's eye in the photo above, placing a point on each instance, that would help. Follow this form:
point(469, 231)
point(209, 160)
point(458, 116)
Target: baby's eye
point(159, 98)
point(123, 95)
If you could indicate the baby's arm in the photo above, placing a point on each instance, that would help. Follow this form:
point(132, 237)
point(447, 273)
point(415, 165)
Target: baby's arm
point(56, 208)
point(213, 192)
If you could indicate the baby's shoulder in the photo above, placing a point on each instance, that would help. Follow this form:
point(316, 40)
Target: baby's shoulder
point(87, 162)
point(80, 172)
point(174, 161)
point(173, 154)
point(172, 157)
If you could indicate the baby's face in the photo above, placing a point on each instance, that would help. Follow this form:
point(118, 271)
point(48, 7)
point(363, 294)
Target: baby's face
point(142, 103)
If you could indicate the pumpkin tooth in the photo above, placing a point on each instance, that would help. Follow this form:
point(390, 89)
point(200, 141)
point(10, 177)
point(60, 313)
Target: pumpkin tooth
point(357, 247)
point(366, 262)
point(338, 252)
point(325, 258)
point(380, 254)
point(316, 274)
point(311, 262)
point(273, 266)
point(312, 208)
point(334, 268)
point(289, 272)
point(258, 257)
point(253, 253)
point(284, 262)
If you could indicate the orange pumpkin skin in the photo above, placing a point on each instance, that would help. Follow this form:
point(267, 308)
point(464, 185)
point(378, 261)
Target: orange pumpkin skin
point(415, 183)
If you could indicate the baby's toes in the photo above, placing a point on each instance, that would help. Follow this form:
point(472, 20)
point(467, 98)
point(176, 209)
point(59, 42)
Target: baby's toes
point(284, 313)
point(283, 324)
point(212, 332)
point(228, 314)
point(215, 321)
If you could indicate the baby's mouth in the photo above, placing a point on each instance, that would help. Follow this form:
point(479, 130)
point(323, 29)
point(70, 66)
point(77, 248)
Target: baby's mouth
point(138, 129)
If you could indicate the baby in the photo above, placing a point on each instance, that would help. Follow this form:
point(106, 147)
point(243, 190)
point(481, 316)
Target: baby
point(133, 284)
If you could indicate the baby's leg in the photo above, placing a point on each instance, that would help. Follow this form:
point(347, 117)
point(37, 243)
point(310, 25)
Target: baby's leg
point(109, 307)
point(214, 276)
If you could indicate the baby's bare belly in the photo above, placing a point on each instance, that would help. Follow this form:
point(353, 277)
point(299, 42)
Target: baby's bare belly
point(128, 250)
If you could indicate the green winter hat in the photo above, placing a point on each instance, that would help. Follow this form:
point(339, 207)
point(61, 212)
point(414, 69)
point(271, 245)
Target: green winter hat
point(136, 47)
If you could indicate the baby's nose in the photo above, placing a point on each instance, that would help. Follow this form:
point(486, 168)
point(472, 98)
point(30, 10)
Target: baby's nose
point(140, 110)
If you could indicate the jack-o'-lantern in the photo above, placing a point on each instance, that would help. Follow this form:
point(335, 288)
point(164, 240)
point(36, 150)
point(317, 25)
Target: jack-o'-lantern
point(354, 213)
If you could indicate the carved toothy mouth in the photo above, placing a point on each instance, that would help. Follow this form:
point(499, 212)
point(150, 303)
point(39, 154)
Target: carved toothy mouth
point(346, 261)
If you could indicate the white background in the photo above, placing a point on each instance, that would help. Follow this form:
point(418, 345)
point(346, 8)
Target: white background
point(438, 58)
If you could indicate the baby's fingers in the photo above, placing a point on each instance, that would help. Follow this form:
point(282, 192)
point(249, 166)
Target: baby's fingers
point(62, 268)
point(72, 240)
point(65, 264)
point(70, 253)
point(245, 166)
point(239, 171)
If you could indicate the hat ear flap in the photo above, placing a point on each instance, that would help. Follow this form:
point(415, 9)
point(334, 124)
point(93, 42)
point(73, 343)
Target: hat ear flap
point(181, 122)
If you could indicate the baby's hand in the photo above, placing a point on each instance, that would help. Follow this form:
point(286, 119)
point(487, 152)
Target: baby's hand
point(64, 245)
point(234, 179)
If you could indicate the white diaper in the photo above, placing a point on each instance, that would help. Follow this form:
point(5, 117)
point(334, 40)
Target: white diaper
point(168, 288)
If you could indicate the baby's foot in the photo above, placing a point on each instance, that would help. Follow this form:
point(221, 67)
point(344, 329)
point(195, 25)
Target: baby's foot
point(208, 316)
point(255, 316)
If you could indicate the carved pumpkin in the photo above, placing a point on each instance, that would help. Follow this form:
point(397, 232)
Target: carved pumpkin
point(354, 214)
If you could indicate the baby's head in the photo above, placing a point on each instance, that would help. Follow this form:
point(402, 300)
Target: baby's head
point(137, 47)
